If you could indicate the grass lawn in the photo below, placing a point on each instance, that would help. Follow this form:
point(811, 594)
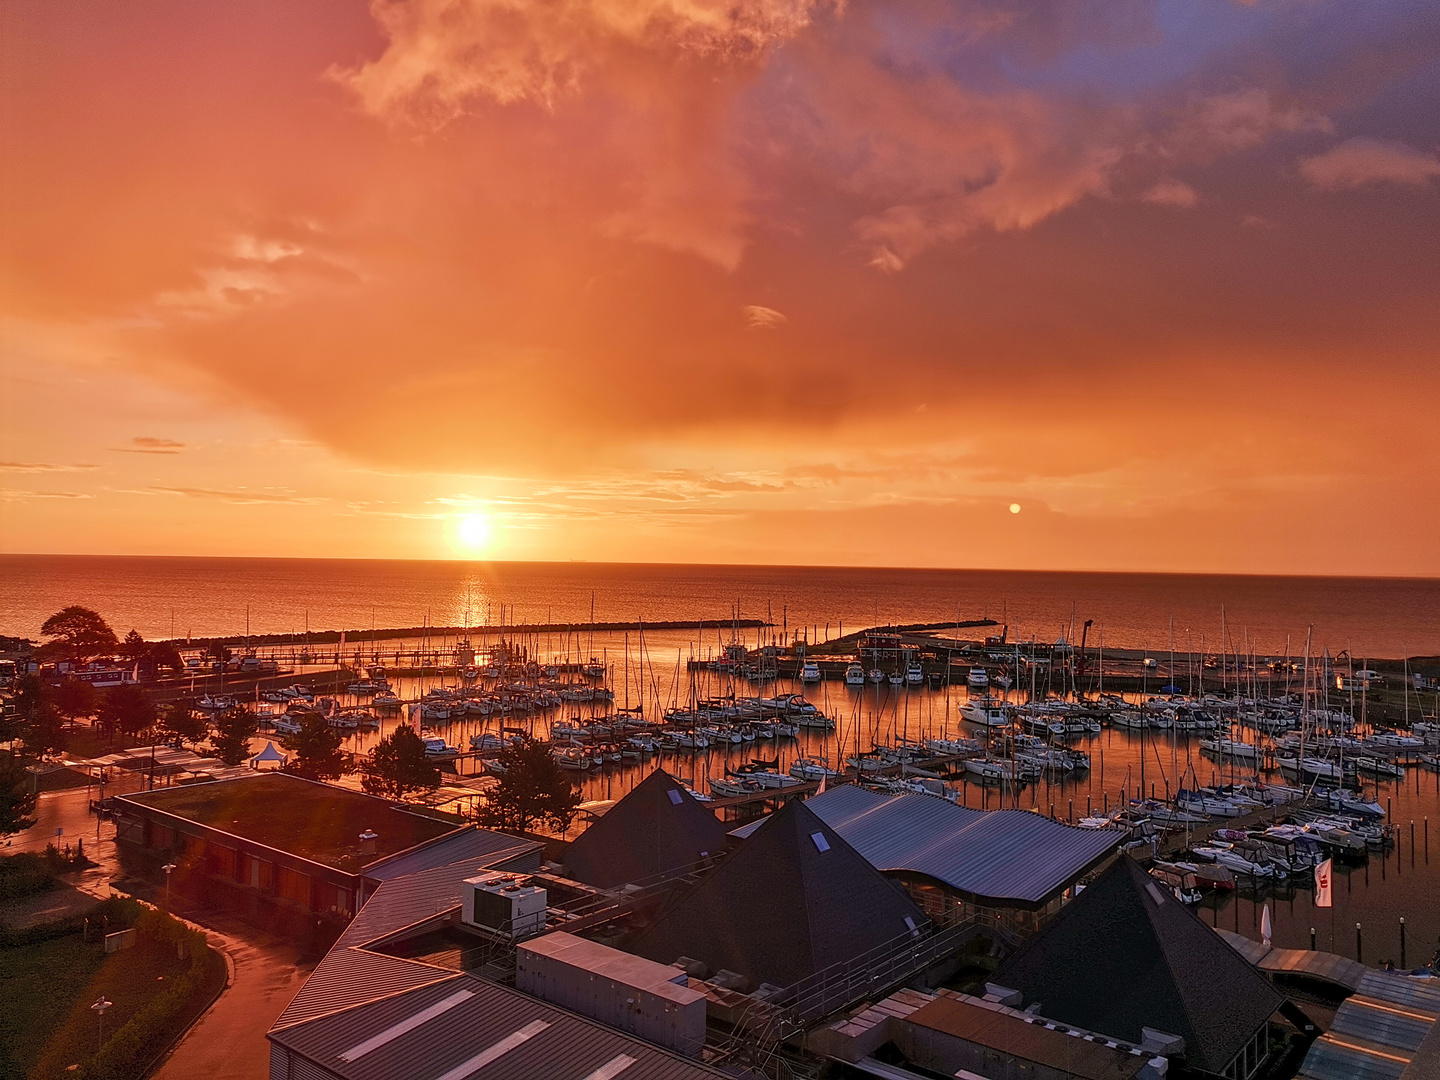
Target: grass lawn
point(42, 982)
point(129, 978)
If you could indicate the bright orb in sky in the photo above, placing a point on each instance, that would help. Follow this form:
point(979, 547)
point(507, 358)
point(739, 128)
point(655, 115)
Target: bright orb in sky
point(1014, 508)
point(472, 531)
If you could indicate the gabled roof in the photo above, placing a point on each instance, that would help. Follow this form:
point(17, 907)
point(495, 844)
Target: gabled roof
point(1005, 856)
point(1126, 955)
point(792, 900)
point(655, 828)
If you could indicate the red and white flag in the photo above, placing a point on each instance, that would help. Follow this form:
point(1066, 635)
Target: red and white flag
point(1323, 881)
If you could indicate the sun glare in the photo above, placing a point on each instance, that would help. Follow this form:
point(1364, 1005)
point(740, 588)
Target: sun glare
point(471, 531)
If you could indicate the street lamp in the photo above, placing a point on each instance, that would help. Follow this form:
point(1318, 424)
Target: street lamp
point(99, 1008)
point(169, 869)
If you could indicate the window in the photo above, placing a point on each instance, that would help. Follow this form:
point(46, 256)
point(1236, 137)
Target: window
point(821, 844)
point(675, 797)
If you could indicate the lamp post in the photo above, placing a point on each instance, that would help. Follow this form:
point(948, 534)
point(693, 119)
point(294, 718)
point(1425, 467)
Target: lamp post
point(99, 1007)
point(169, 869)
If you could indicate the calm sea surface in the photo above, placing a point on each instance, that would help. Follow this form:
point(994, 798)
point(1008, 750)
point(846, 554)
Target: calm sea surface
point(1375, 617)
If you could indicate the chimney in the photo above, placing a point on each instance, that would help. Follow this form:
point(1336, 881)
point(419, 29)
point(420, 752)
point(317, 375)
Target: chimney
point(367, 842)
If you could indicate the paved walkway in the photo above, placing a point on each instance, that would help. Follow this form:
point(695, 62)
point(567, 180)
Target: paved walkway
point(228, 1042)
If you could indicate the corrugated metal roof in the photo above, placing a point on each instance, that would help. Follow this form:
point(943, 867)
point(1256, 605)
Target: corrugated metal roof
point(349, 977)
point(1013, 856)
point(1379, 1031)
point(467, 843)
point(567, 1047)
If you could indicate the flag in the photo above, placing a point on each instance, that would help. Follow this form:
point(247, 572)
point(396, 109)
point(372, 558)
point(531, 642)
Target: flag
point(1265, 929)
point(1322, 884)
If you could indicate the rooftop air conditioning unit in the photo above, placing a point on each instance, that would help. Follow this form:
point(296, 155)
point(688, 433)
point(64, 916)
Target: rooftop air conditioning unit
point(503, 904)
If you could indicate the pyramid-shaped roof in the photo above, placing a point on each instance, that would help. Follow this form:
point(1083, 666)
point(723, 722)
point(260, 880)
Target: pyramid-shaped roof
point(657, 827)
point(794, 899)
point(1126, 955)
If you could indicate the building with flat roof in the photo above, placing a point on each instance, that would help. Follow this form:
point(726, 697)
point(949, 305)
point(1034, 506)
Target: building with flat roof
point(274, 845)
point(365, 1014)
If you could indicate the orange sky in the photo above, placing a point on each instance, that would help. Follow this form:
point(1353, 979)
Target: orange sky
point(725, 280)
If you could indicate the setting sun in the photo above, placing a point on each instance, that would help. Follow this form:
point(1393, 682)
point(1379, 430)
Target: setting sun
point(472, 531)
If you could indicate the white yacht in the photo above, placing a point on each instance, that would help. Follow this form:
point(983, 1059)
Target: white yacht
point(876, 675)
point(985, 712)
point(978, 677)
point(811, 769)
point(914, 675)
point(437, 749)
point(810, 672)
point(854, 675)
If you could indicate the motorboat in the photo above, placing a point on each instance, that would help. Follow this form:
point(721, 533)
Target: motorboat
point(437, 749)
point(876, 675)
point(914, 674)
point(854, 675)
point(985, 712)
point(810, 672)
point(896, 678)
point(731, 786)
point(385, 699)
point(572, 758)
point(977, 677)
point(1379, 767)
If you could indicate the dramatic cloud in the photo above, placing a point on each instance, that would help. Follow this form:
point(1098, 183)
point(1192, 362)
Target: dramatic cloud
point(724, 278)
point(1357, 162)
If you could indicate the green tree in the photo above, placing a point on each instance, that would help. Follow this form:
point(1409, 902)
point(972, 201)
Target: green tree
point(398, 766)
point(75, 698)
point(133, 647)
point(77, 633)
point(17, 799)
point(180, 723)
point(234, 728)
point(164, 654)
point(44, 732)
point(127, 709)
point(315, 750)
point(533, 788)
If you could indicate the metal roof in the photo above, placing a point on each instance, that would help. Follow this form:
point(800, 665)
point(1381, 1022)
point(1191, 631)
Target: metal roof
point(468, 842)
point(1385, 1031)
point(471, 1028)
point(1005, 856)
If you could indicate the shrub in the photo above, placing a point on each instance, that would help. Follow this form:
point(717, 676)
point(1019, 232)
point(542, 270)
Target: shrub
point(131, 1050)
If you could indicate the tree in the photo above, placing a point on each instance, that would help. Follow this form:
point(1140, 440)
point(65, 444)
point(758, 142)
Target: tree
point(316, 750)
point(180, 723)
point(133, 647)
point(75, 698)
point(44, 732)
point(164, 654)
point(126, 708)
point(234, 728)
point(78, 633)
point(398, 766)
point(17, 799)
point(533, 788)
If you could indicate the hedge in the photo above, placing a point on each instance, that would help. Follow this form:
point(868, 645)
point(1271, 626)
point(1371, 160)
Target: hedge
point(128, 1053)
